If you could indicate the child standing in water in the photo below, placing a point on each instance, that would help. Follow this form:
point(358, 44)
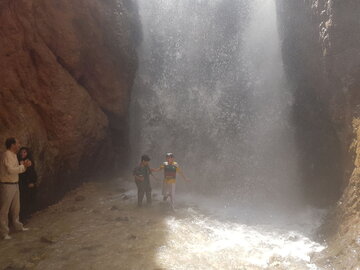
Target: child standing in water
point(142, 179)
point(170, 168)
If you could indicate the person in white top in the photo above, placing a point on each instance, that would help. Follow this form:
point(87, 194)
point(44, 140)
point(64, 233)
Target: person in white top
point(9, 187)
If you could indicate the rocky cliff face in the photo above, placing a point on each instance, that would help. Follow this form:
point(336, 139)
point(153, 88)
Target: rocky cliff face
point(67, 68)
point(321, 50)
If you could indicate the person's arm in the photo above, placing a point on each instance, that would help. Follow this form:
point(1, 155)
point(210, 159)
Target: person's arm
point(182, 174)
point(137, 177)
point(151, 173)
point(157, 169)
point(13, 167)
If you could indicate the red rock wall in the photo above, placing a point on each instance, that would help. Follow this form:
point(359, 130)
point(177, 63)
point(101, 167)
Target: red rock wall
point(67, 68)
point(321, 49)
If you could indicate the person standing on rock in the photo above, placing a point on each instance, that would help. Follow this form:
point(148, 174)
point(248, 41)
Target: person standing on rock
point(171, 168)
point(27, 185)
point(142, 179)
point(9, 187)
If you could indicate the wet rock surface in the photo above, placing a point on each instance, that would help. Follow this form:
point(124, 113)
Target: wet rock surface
point(47, 239)
point(79, 198)
point(63, 231)
point(321, 51)
point(97, 237)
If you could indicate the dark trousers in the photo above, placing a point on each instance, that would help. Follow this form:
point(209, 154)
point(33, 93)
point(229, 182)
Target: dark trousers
point(27, 202)
point(143, 188)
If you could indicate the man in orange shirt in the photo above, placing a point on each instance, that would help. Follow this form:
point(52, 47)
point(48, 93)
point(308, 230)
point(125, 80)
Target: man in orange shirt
point(171, 168)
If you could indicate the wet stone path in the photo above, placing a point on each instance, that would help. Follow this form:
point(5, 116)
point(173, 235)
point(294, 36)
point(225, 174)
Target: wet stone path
point(98, 226)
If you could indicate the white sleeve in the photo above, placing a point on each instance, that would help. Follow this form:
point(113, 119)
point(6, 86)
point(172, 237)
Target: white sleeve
point(12, 167)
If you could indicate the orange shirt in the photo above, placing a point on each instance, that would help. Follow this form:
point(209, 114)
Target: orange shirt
point(170, 171)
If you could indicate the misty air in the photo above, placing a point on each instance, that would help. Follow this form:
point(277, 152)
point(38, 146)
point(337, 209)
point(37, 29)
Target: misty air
point(189, 134)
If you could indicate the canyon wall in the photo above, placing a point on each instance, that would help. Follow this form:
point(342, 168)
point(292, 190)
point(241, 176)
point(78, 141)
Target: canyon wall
point(321, 51)
point(67, 68)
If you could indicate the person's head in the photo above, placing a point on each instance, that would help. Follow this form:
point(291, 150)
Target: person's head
point(24, 153)
point(12, 144)
point(169, 157)
point(145, 159)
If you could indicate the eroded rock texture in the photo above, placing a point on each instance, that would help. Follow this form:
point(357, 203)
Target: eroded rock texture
point(67, 68)
point(321, 50)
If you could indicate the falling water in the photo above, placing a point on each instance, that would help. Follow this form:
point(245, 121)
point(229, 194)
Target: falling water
point(211, 88)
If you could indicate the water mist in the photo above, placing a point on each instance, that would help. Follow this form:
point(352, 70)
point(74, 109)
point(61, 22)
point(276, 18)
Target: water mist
point(211, 89)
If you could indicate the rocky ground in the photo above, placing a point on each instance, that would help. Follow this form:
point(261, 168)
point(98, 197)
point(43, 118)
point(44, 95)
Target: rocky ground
point(98, 226)
point(93, 227)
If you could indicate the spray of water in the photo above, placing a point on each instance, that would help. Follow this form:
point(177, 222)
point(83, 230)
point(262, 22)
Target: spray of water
point(211, 89)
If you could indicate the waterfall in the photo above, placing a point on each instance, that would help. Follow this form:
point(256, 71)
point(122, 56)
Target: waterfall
point(211, 89)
